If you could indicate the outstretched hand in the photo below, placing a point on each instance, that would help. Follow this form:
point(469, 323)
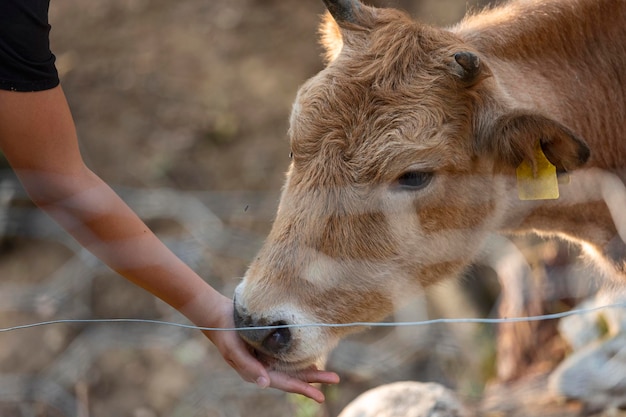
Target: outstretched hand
point(237, 355)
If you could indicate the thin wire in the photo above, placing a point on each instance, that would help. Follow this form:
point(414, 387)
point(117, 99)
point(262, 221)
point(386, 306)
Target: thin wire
point(304, 325)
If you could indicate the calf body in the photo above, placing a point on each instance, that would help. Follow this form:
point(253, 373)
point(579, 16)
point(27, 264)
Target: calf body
point(565, 60)
point(405, 149)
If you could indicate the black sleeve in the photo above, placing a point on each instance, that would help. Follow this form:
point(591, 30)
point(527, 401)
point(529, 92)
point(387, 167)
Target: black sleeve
point(26, 62)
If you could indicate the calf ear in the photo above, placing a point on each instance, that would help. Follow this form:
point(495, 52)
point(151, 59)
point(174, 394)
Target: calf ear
point(513, 137)
point(341, 13)
point(330, 38)
point(344, 21)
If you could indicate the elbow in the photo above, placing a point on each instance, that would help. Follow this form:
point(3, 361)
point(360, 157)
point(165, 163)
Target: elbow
point(51, 189)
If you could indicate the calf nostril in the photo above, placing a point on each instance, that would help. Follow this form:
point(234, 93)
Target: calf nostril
point(279, 339)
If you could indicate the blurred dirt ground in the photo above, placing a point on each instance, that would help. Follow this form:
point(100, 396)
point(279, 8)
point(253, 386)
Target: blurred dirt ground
point(183, 106)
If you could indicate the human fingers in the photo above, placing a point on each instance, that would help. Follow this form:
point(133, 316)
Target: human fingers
point(313, 375)
point(250, 369)
point(301, 382)
point(236, 354)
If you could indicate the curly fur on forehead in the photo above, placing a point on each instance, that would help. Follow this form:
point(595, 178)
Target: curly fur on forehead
point(388, 50)
point(389, 78)
point(399, 89)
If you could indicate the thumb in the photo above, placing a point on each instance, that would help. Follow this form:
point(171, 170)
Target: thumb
point(237, 355)
point(263, 381)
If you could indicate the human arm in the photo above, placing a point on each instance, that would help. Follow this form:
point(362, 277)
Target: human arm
point(38, 138)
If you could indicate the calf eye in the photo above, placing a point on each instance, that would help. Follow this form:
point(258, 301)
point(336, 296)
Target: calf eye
point(414, 180)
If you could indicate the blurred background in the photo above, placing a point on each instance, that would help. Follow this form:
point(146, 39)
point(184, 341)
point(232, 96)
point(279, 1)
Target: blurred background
point(182, 106)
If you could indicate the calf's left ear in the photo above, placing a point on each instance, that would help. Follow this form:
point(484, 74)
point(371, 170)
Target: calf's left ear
point(513, 138)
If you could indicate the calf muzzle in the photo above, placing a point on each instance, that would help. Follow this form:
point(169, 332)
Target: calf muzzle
point(268, 339)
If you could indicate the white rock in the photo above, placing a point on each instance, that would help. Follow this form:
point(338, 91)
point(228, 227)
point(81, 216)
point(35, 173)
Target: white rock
point(406, 399)
point(582, 329)
point(595, 374)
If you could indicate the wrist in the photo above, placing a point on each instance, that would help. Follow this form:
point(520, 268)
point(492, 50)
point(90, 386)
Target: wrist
point(208, 308)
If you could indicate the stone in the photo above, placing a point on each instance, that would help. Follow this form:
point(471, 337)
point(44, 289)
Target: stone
point(594, 375)
point(406, 399)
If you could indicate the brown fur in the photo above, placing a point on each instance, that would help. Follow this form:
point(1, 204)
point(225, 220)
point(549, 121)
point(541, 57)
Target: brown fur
point(397, 96)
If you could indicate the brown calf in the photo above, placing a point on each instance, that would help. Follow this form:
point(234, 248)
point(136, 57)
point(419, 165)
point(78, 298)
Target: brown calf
point(405, 153)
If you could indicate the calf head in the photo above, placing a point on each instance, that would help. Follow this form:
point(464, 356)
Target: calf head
point(401, 148)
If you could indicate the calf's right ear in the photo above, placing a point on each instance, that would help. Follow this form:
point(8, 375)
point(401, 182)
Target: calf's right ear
point(512, 138)
point(344, 20)
point(331, 38)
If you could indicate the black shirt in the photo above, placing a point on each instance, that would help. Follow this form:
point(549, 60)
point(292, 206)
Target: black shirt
point(26, 62)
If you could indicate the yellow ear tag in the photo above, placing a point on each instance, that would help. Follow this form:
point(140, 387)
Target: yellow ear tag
point(541, 184)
